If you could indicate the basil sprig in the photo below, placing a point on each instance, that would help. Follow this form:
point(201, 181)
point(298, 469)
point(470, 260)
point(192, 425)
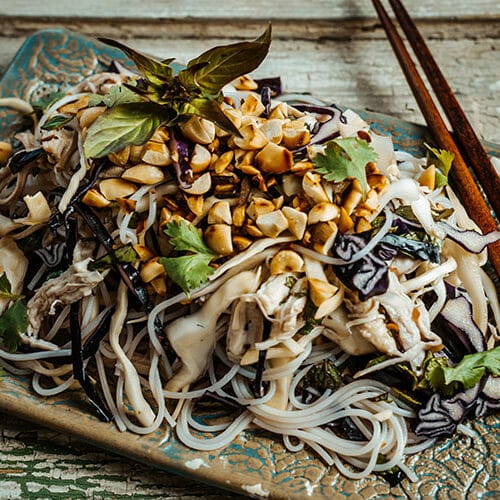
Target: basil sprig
point(169, 98)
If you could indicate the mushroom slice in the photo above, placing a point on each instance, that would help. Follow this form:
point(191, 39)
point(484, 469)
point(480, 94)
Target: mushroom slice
point(38, 210)
point(193, 337)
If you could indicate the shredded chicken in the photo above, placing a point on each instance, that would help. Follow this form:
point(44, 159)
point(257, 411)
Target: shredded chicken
point(351, 341)
point(245, 328)
point(71, 286)
point(366, 319)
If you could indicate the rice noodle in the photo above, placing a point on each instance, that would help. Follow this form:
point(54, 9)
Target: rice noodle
point(262, 333)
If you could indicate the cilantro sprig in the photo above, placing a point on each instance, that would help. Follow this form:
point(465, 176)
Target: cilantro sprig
point(442, 160)
point(192, 270)
point(345, 157)
point(445, 379)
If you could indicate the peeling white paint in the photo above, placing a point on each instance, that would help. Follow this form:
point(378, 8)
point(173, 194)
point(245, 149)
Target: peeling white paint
point(196, 463)
point(10, 489)
point(309, 487)
point(255, 489)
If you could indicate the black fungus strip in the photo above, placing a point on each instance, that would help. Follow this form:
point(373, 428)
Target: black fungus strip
point(227, 401)
point(78, 367)
point(52, 255)
point(127, 272)
point(76, 336)
point(23, 158)
point(258, 386)
point(92, 344)
point(82, 191)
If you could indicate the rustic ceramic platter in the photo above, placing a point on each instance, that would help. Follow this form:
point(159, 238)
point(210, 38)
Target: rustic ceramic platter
point(256, 463)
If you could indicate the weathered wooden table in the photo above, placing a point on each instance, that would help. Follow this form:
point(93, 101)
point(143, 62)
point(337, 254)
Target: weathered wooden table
point(334, 49)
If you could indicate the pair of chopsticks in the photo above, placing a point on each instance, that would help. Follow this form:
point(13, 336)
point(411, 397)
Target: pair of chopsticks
point(467, 146)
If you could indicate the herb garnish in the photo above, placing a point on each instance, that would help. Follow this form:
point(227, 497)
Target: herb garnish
point(124, 255)
point(13, 322)
point(6, 289)
point(117, 94)
point(192, 270)
point(442, 160)
point(345, 157)
point(323, 376)
point(56, 122)
point(170, 98)
point(468, 372)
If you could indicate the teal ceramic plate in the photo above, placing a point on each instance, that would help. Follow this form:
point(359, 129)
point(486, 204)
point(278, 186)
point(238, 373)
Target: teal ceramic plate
point(256, 463)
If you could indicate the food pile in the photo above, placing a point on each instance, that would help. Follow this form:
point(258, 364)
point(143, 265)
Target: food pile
point(171, 237)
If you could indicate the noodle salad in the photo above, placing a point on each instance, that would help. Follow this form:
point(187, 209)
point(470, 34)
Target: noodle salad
point(169, 239)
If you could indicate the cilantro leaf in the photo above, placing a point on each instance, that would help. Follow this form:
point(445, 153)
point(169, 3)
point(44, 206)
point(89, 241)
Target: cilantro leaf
point(345, 157)
point(185, 237)
point(117, 94)
point(5, 289)
point(442, 160)
point(13, 322)
point(468, 372)
point(188, 271)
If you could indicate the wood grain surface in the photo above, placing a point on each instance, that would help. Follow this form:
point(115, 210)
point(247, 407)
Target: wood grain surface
point(333, 49)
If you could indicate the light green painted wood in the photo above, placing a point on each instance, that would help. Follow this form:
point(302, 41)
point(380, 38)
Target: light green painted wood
point(39, 463)
point(257, 9)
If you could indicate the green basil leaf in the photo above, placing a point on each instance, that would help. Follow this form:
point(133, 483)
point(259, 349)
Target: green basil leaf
point(155, 71)
point(210, 109)
point(117, 94)
point(225, 63)
point(45, 102)
point(56, 122)
point(123, 125)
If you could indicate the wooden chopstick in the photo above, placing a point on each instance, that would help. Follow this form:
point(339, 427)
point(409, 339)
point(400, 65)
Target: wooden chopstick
point(464, 134)
point(464, 183)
